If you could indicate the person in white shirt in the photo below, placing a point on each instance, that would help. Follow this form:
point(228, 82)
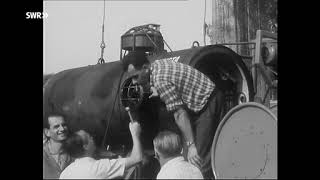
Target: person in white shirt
point(81, 145)
point(168, 150)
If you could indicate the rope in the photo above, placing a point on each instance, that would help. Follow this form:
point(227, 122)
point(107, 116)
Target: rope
point(204, 23)
point(114, 102)
point(265, 96)
point(102, 45)
point(167, 45)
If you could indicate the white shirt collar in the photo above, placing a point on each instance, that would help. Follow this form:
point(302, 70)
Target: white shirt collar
point(84, 159)
point(172, 161)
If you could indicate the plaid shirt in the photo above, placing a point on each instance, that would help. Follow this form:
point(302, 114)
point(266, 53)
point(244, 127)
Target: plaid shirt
point(179, 84)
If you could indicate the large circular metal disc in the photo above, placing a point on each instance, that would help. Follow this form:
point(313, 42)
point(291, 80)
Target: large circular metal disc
point(245, 144)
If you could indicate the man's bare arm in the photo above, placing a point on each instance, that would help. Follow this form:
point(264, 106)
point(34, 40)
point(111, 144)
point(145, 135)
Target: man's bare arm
point(136, 154)
point(183, 121)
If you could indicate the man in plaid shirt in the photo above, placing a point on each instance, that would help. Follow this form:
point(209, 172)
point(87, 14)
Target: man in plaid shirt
point(189, 94)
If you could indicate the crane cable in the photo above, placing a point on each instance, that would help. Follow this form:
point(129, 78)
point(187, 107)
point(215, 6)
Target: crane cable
point(102, 45)
point(205, 26)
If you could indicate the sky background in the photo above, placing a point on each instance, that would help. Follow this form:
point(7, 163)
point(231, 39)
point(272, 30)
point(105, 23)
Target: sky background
point(72, 30)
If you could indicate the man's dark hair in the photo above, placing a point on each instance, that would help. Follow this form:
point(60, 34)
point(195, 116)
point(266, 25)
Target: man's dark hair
point(74, 145)
point(136, 58)
point(46, 120)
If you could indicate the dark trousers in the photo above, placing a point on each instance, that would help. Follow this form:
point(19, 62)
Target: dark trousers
point(204, 125)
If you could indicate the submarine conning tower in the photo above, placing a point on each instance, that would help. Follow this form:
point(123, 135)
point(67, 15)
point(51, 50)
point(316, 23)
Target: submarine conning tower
point(146, 38)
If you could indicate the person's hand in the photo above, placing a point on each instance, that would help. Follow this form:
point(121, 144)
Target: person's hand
point(154, 92)
point(105, 154)
point(193, 156)
point(135, 128)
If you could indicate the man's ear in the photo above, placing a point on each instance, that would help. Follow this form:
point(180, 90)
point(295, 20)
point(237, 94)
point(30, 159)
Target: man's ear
point(145, 66)
point(85, 146)
point(130, 68)
point(156, 155)
point(85, 140)
point(46, 132)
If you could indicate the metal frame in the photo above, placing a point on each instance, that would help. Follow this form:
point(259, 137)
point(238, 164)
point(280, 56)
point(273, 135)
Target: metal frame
point(257, 61)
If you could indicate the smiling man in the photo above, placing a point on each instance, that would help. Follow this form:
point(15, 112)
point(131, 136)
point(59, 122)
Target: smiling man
point(55, 159)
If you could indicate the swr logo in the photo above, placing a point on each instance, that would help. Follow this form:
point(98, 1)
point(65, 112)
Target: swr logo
point(36, 15)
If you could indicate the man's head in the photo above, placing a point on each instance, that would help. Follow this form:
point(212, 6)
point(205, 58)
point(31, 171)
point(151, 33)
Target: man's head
point(56, 128)
point(79, 144)
point(167, 144)
point(136, 58)
point(137, 66)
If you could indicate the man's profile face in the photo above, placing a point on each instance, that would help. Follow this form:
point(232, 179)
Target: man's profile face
point(133, 73)
point(140, 76)
point(58, 129)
